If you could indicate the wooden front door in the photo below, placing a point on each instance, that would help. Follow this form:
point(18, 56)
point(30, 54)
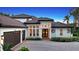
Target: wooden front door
point(45, 33)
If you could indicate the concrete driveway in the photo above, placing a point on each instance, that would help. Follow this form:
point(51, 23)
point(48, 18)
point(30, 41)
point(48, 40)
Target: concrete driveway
point(48, 46)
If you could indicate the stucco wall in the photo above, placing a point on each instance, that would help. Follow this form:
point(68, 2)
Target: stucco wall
point(22, 20)
point(57, 33)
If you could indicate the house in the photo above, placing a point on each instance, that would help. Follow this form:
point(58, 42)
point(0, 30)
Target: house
point(11, 31)
point(43, 27)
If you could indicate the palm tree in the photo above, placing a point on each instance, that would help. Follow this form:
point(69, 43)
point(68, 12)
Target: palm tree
point(75, 14)
point(66, 18)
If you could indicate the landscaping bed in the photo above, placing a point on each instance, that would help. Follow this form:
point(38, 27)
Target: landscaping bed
point(65, 39)
point(33, 39)
point(24, 49)
point(7, 47)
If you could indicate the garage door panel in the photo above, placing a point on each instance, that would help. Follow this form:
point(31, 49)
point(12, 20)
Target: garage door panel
point(12, 38)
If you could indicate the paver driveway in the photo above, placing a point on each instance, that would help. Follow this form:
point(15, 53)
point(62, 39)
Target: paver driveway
point(49, 46)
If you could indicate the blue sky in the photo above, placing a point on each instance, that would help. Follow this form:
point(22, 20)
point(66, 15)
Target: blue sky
point(56, 13)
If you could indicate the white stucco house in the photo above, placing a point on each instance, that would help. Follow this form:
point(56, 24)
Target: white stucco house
point(11, 31)
point(15, 29)
point(43, 27)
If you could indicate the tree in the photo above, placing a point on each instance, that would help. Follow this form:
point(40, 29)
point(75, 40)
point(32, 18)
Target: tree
point(66, 18)
point(75, 14)
point(4, 14)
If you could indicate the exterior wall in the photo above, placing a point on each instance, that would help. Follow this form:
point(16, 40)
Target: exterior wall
point(57, 33)
point(43, 25)
point(22, 20)
point(2, 30)
point(47, 25)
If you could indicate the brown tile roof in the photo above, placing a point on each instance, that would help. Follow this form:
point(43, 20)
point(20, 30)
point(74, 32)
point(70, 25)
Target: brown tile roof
point(33, 21)
point(9, 22)
point(45, 19)
point(21, 16)
point(60, 25)
point(36, 20)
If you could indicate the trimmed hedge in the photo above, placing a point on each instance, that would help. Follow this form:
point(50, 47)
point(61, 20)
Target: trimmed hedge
point(62, 39)
point(33, 39)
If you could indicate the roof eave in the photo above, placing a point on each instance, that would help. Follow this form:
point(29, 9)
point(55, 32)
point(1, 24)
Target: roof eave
point(21, 17)
point(45, 20)
point(2, 26)
point(33, 23)
point(61, 27)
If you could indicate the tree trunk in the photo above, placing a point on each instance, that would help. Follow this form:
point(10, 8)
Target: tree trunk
point(68, 26)
point(75, 25)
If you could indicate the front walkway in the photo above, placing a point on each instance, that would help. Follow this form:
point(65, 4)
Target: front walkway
point(49, 46)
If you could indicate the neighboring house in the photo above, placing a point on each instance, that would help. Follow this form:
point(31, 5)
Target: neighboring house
point(43, 27)
point(11, 31)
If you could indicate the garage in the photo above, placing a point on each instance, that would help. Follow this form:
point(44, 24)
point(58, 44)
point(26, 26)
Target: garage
point(11, 31)
point(12, 38)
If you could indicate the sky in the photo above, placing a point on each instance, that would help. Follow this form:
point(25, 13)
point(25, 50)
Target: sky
point(56, 13)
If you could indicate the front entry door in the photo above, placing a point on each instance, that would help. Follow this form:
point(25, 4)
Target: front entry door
point(45, 33)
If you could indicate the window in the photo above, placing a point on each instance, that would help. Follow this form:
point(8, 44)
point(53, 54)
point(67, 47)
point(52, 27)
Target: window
point(68, 30)
point(33, 26)
point(45, 26)
point(37, 26)
point(30, 32)
point(33, 32)
point(61, 31)
point(37, 32)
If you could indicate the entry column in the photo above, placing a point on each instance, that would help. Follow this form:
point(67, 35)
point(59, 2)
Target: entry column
point(21, 36)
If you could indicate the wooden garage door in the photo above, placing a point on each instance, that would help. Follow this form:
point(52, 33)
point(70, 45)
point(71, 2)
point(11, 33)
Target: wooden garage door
point(12, 38)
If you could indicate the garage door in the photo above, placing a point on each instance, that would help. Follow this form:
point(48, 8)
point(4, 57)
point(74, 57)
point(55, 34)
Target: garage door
point(12, 38)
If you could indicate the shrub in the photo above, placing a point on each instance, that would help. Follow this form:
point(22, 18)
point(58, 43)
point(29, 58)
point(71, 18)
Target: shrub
point(75, 34)
point(24, 49)
point(33, 39)
point(7, 47)
point(62, 39)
